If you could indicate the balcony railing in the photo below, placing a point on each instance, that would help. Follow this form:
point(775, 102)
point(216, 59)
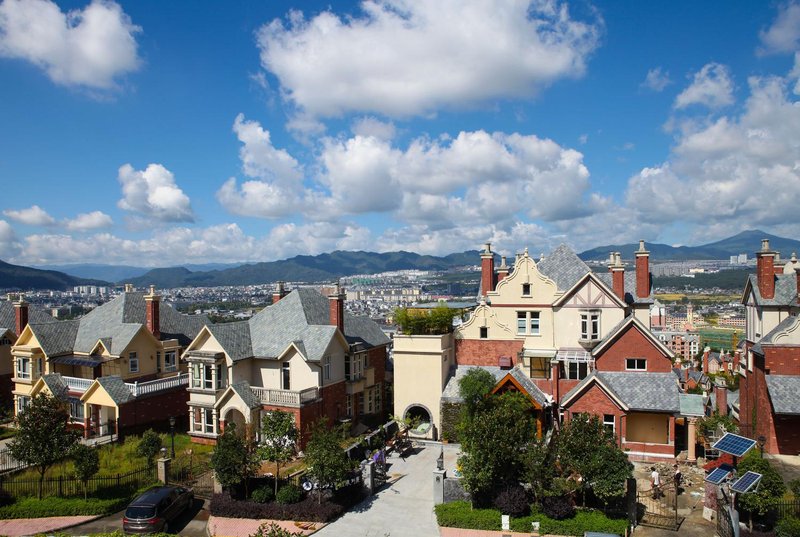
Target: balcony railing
point(77, 384)
point(291, 398)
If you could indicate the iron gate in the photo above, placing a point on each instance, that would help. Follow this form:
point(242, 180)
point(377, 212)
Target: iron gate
point(724, 520)
point(659, 510)
point(198, 478)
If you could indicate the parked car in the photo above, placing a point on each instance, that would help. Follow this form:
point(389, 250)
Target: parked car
point(153, 511)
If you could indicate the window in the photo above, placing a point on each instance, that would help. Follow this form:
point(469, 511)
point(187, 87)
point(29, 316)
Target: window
point(484, 332)
point(635, 364)
point(75, 409)
point(326, 367)
point(534, 323)
point(575, 370)
point(220, 377)
point(203, 376)
point(23, 402)
point(354, 366)
point(526, 289)
point(590, 325)
point(158, 361)
point(209, 420)
point(133, 362)
point(609, 422)
point(170, 361)
point(522, 322)
point(285, 376)
point(23, 368)
point(378, 392)
point(528, 323)
point(5, 341)
point(196, 376)
point(348, 405)
point(370, 393)
point(540, 367)
point(361, 403)
point(197, 420)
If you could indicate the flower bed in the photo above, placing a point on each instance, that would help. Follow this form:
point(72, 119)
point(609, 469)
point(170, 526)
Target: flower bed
point(462, 515)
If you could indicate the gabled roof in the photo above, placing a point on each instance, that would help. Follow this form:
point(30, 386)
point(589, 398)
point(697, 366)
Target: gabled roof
point(563, 266)
point(655, 392)
point(55, 384)
point(785, 290)
point(621, 327)
point(114, 386)
point(522, 382)
point(56, 337)
point(577, 285)
point(784, 392)
point(783, 328)
point(243, 391)
point(302, 319)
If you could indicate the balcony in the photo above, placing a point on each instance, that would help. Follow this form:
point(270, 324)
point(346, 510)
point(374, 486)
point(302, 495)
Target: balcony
point(80, 385)
point(267, 396)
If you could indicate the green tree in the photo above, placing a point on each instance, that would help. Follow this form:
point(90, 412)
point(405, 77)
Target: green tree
point(438, 320)
point(232, 460)
point(588, 450)
point(149, 446)
point(87, 464)
point(541, 468)
point(278, 440)
point(493, 445)
point(473, 388)
point(43, 434)
point(770, 488)
point(326, 460)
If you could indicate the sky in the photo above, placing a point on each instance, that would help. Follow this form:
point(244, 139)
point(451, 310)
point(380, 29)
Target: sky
point(157, 133)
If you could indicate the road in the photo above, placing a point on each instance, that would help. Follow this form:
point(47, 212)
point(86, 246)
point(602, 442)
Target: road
point(192, 523)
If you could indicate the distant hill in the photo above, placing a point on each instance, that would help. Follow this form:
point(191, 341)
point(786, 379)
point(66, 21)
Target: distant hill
point(746, 242)
point(25, 278)
point(109, 273)
point(319, 268)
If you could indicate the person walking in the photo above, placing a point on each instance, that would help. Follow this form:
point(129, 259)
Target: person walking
point(677, 477)
point(655, 482)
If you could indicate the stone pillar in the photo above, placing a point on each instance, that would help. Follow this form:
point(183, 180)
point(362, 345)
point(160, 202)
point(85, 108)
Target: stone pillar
point(438, 486)
point(368, 475)
point(163, 470)
point(692, 430)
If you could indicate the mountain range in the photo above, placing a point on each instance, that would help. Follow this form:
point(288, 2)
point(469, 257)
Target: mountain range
point(329, 266)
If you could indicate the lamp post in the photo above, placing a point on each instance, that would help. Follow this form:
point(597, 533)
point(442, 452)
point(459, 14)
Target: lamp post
point(761, 441)
point(172, 433)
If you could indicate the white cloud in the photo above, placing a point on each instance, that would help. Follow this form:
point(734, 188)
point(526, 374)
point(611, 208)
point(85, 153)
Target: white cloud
point(87, 48)
point(656, 80)
point(784, 34)
point(152, 193)
point(32, 216)
point(370, 126)
point(89, 221)
point(711, 87)
point(9, 244)
point(739, 171)
point(402, 58)
point(276, 178)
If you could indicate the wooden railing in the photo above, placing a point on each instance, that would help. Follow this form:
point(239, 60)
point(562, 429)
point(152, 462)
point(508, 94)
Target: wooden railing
point(78, 384)
point(152, 386)
point(268, 396)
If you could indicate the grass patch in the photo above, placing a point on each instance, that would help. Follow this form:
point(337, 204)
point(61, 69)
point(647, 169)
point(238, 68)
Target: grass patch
point(48, 507)
point(462, 515)
point(122, 458)
point(7, 432)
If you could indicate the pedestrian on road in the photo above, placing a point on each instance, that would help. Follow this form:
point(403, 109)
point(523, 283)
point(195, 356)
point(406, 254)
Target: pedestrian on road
point(655, 482)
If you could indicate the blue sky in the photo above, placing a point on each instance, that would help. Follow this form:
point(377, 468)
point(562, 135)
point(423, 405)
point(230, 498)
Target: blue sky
point(158, 133)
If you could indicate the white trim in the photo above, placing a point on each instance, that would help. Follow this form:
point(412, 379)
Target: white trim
point(648, 453)
point(590, 276)
point(643, 329)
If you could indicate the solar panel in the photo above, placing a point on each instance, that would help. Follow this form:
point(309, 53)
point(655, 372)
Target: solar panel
point(719, 474)
point(734, 444)
point(746, 482)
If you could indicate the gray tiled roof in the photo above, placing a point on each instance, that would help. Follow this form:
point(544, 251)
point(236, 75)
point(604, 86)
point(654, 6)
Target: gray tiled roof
point(116, 389)
point(55, 383)
point(784, 392)
point(530, 387)
point(8, 317)
point(56, 337)
point(451, 392)
point(630, 287)
point(785, 290)
point(638, 391)
point(243, 390)
point(564, 267)
point(302, 317)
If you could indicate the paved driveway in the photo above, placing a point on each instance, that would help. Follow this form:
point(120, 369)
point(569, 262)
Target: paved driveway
point(403, 508)
point(192, 523)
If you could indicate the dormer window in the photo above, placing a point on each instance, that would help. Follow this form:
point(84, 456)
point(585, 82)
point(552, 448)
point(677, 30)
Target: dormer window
point(590, 325)
point(526, 289)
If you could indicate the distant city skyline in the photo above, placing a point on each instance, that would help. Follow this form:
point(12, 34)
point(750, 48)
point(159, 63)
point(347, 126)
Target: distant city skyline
point(156, 134)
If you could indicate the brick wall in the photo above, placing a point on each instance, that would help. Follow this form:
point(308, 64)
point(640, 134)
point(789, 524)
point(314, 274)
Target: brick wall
point(486, 351)
point(144, 412)
point(787, 434)
point(333, 401)
point(782, 360)
point(633, 344)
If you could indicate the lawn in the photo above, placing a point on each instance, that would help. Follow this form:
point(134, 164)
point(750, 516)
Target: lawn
point(122, 458)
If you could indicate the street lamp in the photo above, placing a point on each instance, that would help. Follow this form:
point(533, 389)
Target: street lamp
point(172, 433)
point(761, 441)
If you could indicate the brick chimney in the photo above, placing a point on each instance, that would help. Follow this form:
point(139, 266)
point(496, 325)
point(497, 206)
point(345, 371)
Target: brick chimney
point(20, 314)
point(642, 271)
point(502, 270)
point(721, 395)
point(336, 307)
point(487, 269)
point(152, 309)
point(617, 274)
point(706, 352)
point(279, 292)
point(765, 270)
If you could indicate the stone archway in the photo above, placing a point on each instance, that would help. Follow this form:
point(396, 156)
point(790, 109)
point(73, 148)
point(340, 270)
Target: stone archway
point(421, 418)
point(235, 416)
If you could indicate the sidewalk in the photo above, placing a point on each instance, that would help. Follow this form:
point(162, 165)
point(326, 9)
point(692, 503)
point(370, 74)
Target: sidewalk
point(242, 527)
point(31, 526)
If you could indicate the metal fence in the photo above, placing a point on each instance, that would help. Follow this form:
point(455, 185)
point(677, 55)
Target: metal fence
point(66, 486)
point(786, 508)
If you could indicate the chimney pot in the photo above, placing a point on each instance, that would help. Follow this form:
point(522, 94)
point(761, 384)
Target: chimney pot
point(336, 308)
point(20, 314)
point(153, 312)
point(642, 271)
point(765, 245)
point(487, 270)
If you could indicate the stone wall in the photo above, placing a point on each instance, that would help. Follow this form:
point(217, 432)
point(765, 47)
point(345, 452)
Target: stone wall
point(454, 490)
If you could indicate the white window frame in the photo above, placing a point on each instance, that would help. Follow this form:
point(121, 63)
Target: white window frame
point(170, 364)
point(529, 323)
point(208, 421)
point(220, 371)
point(23, 402)
point(76, 409)
point(133, 362)
point(23, 368)
point(348, 405)
point(590, 325)
point(612, 424)
point(639, 364)
point(326, 367)
point(572, 370)
point(286, 376)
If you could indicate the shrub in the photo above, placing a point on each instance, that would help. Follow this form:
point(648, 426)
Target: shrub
point(513, 501)
point(794, 486)
point(462, 515)
point(263, 495)
point(788, 527)
point(289, 494)
point(307, 510)
point(49, 507)
point(558, 507)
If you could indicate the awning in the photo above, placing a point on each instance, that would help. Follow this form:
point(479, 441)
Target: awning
point(574, 355)
point(692, 405)
point(538, 353)
point(86, 361)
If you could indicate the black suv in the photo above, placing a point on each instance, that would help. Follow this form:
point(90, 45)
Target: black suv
point(155, 509)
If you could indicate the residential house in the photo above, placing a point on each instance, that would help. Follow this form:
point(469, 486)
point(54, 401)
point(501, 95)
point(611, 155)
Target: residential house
point(118, 365)
point(570, 339)
point(303, 354)
point(14, 316)
point(769, 384)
